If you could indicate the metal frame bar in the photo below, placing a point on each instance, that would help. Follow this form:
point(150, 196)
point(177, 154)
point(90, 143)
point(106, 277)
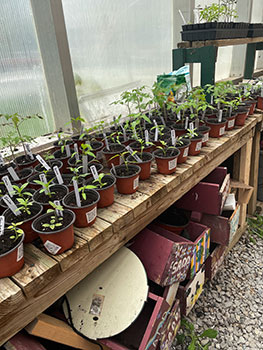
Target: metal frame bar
point(250, 59)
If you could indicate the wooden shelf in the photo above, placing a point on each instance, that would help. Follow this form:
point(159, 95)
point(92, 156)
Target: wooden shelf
point(219, 43)
point(45, 278)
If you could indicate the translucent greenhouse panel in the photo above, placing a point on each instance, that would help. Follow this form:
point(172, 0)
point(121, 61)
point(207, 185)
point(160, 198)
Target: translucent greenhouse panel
point(116, 45)
point(22, 82)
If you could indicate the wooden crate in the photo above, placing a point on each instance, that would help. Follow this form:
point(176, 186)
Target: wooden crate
point(171, 327)
point(215, 260)
point(146, 330)
point(222, 227)
point(189, 291)
point(209, 195)
point(165, 255)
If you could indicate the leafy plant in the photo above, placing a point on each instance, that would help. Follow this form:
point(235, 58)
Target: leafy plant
point(77, 171)
point(164, 147)
point(20, 192)
point(98, 182)
point(190, 340)
point(10, 140)
point(25, 205)
point(48, 156)
point(16, 230)
point(123, 158)
point(87, 150)
point(191, 133)
point(55, 220)
point(83, 190)
point(45, 187)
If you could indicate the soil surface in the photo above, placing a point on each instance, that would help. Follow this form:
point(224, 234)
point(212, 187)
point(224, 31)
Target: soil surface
point(11, 217)
point(56, 194)
point(6, 243)
point(67, 218)
point(71, 199)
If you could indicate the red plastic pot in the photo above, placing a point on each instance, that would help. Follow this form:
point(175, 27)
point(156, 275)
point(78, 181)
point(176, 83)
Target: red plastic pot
point(56, 242)
point(12, 261)
point(204, 130)
point(106, 193)
point(166, 165)
point(145, 165)
point(241, 117)
point(109, 154)
point(231, 122)
point(137, 147)
point(126, 184)
point(184, 151)
point(217, 129)
point(64, 159)
point(29, 162)
point(26, 226)
point(260, 102)
point(86, 214)
point(252, 106)
point(195, 144)
point(61, 191)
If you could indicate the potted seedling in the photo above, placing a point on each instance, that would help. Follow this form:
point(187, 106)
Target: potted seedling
point(166, 158)
point(195, 141)
point(182, 144)
point(104, 184)
point(11, 248)
point(79, 134)
point(24, 210)
point(112, 152)
point(55, 228)
point(63, 140)
point(83, 202)
point(9, 140)
point(48, 192)
point(63, 151)
point(83, 159)
point(47, 162)
point(127, 175)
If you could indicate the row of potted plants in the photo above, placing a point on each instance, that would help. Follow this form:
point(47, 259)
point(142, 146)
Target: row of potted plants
point(43, 196)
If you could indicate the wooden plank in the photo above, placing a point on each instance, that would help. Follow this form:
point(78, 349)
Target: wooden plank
point(138, 202)
point(10, 296)
point(219, 43)
point(48, 327)
point(39, 269)
point(96, 234)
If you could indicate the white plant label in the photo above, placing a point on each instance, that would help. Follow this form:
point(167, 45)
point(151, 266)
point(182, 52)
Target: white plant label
point(76, 190)
point(87, 142)
point(188, 82)
point(163, 122)
point(135, 134)
point(59, 212)
point(58, 175)
point(198, 146)
point(91, 215)
point(76, 150)
point(146, 135)
point(173, 137)
point(136, 183)
point(182, 16)
point(94, 172)
point(12, 172)
point(172, 164)
point(68, 153)
point(2, 225)
point(197, 123)
point(20, 252)
point(106, 141)
point(222, 130)
point(212, 99)
point(43, 179)
point(113, 168)
point(84, 164)
point(137, 158)
point(28, 151)
point(220, 115)
point(43, 162)
point(186, 150)
point(205, 137)
point(51, 247)
point(230, 111)
point(150, 110)
point(191, 126)
point(2, 162)
point(11, 205)
point(179, 115)
point(186, 123)
point(81, 129)
point(124, 133)
point(231, 123)
point(8, 185)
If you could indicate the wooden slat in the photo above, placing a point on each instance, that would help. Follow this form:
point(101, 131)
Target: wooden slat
point(138, 202)
point(10, 296)
point(38, 271)
point(219, 43)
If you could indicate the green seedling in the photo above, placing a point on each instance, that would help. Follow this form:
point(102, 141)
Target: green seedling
point(55, 220)
point(191, 133)
point(164, 147)
point(87, 150)
point(99, 181)
point(16, 230)
point(84, 188)
point(24, 205)
point(20, 192)
point(45, 187)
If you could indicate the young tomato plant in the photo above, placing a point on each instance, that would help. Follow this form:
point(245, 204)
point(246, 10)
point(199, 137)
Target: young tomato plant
point(55, 220)
point(45, 187)
point(20, 191)
point(24, 205)
point(83, 190)
point(99, 181)
point(165, 147)
point(191, 133)
point(16, 230)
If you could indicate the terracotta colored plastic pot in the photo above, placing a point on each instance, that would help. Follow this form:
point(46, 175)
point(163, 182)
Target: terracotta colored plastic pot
point(184, 151)
point(136, 146)
point(39, 168)
point(106, 193)
point(231, 122)
point(61, 191)
point(217, 129)
point(260, 102)
point(252, 106)
point(64, 159)
point(28, 163)
point(108, 154)
point(4, 171)
point(23, 175)
point(166, 165)
point(86, 214)
point(204, 130)
point(195, 144)
point(145, 165)
point(56, 242)
point(179, 131)
point(30, 234)
point(241, 117)
point(12, 261)
point(127, 184)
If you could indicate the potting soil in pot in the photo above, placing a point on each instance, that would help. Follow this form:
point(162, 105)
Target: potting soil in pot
point(6, 243)
point(67, 219)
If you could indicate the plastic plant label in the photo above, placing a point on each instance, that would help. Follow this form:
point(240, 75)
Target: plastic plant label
point(197, 123)
point(146, 135)
point(182, 16)
point(163, 122)
point(212, 99)
point(136, 183)
point(51, 247)
point(43, 179)
point(220, 115)
point(106, 141)
point(230, 110)
point(179, 115)
point(188, 82)
point(124, 133)
point(84, 164)
point(186, 123)
point(11, 205)
point(28, 151)
point(43, 162)
point(113, 169)
point(58, 212)
point(150, 110)
point(2, 225)
point(231, 123)
point(81, 128)
point(76, 190)
point(91, 215)
point(58, 175)
point(186, 151)
point(68, 153)
point(76, 150)
point(13, 173)
point(205, 137)
point(222, 130)
point(94, 172)
point(137, 158)
point(135, 134)
point(191, 126)
point(172, 164)
point(20, 252)
point(173, 137)
point(198, 146)
point(8, 185)
point(87, 142)
point(2, 162)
